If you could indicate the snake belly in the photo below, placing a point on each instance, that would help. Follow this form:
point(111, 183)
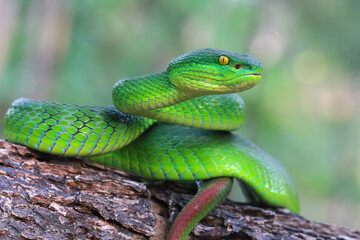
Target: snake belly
point(195, 102)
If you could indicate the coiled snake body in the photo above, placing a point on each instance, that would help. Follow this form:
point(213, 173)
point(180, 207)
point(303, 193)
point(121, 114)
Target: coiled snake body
point(196, 94)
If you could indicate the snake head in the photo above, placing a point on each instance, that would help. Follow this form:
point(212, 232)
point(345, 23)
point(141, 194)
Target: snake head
point(212, 71)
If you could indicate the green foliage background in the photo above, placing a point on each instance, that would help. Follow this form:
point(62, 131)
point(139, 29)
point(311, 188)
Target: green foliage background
point(305, 111)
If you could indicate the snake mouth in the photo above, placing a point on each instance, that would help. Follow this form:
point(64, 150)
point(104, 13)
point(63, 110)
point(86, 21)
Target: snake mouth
point(251, 75)
point(212, 84)
point(234, 85)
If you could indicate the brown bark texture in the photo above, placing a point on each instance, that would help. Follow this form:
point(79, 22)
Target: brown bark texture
point(47, 197)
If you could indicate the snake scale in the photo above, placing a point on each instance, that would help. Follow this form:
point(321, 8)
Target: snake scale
point(173, 125)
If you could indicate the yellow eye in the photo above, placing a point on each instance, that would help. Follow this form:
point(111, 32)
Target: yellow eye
point(223, 60)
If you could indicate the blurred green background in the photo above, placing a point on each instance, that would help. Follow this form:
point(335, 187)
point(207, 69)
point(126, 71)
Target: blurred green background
point(304, 112)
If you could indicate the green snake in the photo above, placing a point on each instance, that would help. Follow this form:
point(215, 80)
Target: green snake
point(195, 106)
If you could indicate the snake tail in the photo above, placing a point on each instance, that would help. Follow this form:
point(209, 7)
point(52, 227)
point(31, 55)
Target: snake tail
point(211, 193)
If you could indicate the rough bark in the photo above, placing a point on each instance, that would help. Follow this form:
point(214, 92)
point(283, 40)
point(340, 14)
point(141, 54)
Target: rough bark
point(47, 197)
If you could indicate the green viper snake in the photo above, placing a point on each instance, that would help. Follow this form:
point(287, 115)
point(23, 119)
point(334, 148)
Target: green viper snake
point(195, 101)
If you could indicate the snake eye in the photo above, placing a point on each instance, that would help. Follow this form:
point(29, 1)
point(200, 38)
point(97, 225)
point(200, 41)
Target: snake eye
point(223, 60)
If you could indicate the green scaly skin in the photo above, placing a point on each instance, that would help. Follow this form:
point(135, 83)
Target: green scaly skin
point(189, 93)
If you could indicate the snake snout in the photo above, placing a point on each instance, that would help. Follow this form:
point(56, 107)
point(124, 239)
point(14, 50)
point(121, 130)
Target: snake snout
point(248, 69)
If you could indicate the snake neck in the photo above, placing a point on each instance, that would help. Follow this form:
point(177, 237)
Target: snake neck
point(140, 94)
point(154, 96)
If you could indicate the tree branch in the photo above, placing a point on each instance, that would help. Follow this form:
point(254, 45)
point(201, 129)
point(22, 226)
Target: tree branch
point(47, 197)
